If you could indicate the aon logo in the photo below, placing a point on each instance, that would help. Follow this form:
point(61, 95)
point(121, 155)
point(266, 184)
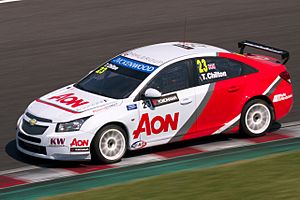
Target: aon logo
point(156, 125)
point(69, 99)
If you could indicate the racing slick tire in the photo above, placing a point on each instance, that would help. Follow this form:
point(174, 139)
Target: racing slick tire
point(109, 145)
point(256, 118)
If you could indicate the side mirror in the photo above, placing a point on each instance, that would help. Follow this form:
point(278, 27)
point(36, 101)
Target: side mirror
point(152, 93)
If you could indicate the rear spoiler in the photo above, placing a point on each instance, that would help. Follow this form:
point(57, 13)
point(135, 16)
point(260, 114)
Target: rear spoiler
point(285, 55)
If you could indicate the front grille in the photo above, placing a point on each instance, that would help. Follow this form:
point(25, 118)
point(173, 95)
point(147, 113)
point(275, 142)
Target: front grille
point(32, 148)
point(31, 116)
point(33, 129)
point(31, 139)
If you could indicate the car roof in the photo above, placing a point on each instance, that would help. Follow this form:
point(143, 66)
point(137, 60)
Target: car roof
point(161, 53)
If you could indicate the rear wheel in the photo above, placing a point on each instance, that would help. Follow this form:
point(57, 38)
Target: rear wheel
point(256, 118)
point(109, 144)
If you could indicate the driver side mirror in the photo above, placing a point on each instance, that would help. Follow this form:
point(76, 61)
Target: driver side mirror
point(152, 93)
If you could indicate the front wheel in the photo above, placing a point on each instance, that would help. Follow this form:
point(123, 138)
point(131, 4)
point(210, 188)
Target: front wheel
point(109, 144)
point(256, 118)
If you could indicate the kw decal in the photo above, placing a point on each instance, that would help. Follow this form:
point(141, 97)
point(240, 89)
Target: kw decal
point(57, 141)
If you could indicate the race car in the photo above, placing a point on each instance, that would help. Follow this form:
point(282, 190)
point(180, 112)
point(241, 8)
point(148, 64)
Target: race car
point(155, 95)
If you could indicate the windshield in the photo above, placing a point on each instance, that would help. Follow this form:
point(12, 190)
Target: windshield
point(116, 79)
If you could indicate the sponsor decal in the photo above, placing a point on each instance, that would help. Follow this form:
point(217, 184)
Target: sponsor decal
point(184, 46)
point(258, 57)
point(79, 143)
point(213, 75)
point(111, 66)
point(164, 100)
point(205, 73)
point(157, 125)
point(139, 144)
point(133, 64)
point(69, 99)
point(211, 66)
point(79, 149)
point(106, 107)
point(103, 69)
point(281, 97)
point(32, 122)
point(131, 107)
point(189, 46)
point(57, 141)
point(143, 57)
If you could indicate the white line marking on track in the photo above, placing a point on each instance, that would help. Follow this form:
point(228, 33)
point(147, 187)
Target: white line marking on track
point(41, 174)
point(287, 124)
point(21, 169)
point(139, 160)
point(8, 1)
point(214, 146)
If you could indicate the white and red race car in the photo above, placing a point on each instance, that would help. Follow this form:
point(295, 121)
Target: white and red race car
point(155, 95)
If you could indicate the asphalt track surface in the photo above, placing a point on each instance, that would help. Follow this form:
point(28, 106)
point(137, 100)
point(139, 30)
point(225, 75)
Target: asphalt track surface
point(46, 44)
point(124, 174)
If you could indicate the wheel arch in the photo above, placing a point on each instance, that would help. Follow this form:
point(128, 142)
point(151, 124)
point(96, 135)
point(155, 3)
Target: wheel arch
point(117, 123)
point(264, 98)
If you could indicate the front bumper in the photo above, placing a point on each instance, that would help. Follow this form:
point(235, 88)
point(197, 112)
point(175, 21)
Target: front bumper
point(49, 144)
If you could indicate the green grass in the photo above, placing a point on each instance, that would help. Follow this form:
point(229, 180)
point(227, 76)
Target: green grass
point(274, 177)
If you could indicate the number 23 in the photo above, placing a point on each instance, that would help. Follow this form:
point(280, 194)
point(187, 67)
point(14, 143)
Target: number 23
point(202, 66)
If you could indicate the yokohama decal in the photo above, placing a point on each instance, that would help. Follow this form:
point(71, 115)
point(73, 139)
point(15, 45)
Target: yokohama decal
point(164, 100)
point(157, 125)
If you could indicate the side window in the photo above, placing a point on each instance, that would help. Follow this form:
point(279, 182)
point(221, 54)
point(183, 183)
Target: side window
point(173, 78)
point(238, 68)
point(212, 69)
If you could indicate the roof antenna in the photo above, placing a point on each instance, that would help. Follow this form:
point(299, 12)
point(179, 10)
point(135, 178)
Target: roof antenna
point(184, 32)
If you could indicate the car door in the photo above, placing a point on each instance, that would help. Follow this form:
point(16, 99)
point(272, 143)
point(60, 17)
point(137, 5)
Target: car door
point(162, 118)
point(218, 95)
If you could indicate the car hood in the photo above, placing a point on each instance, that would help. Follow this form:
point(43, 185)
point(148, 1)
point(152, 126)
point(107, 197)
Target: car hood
point(68, 103)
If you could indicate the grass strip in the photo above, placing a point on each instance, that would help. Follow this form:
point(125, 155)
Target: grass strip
point(272, 177)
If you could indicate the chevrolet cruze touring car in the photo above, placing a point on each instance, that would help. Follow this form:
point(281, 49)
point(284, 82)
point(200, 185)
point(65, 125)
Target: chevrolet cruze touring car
point(155, 95)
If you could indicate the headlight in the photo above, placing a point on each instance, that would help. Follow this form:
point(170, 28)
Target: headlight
point(74, 125)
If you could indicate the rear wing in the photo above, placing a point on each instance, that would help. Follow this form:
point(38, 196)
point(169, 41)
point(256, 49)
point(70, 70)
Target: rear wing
point(285, 55)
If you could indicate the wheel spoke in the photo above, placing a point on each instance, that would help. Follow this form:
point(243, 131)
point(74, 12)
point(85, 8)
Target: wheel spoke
point(258, 118)
point(112, 144)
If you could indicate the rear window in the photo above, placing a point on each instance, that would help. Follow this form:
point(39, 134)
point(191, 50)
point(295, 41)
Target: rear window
point(213, 69)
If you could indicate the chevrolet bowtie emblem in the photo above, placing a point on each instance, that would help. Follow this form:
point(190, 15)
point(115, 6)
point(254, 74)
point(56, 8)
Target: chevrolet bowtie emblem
point(32, 122)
